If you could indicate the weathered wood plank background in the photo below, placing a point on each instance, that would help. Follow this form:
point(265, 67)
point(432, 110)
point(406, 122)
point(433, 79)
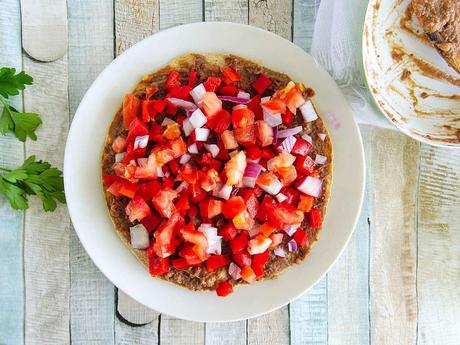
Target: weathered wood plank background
point(396, 283)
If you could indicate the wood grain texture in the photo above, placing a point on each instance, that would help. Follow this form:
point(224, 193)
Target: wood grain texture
point(268, 329)
point(90, 50)
point(393, 307)
point(438, 266)
point(348, 280)
point(46, 235)
point(304, 22)
point(225, 333)
point(132, 311)
point(178, 12)
point(134, 20)
point(174, 331)
point(227, 11)
point(11, 222)
point(272, 15)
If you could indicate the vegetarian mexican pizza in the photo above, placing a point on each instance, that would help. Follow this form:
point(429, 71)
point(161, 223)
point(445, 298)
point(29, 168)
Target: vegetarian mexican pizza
point(217, 172)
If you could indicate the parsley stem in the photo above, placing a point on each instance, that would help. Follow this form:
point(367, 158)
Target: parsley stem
point(4, 169)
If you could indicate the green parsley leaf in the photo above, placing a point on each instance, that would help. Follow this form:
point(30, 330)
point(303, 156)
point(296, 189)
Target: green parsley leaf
point(23, 125)
point(11, 83)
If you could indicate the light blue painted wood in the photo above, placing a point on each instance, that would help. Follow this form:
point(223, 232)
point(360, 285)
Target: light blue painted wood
point(91, 48)
point(178, 12)
point(304, 22)
point(11, 222)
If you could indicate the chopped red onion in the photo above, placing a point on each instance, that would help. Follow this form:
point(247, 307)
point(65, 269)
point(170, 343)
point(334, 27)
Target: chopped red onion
point(320, 159)
point(184, 158)
point(291, 229)
point(198, 92)
point(180, 103)
point(182, 187)
point(224, 191)
point(214, 241)
point(307, 138)
point(213, 149)
point(272, 120)
point(142, 162)
point(166, 171)
point(292, 246)
point(160, 172)
point(119, 157)
point(322, 136)
point(288, 144)
point(193, 149)
point(272, 189)
point(234, 271)
point(141, 142)
point(139, 237)
point(202, 134)
point(265, 99)
point(242, 94)
point(289, 132)
point(254, 231)
point(311, 186)
point(281, 197)
point(275, 135)
point(204, 226)
point(308, 111)
point(280, 252)
point(235, 191)
point(187, 127)
point(198, 119)
point(233, 99)
point(167, 121)
point(251, 173)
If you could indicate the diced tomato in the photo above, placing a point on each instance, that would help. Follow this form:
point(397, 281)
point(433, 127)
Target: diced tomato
point(150, 108)
point(305, 203)
point(266, 229)
point(239, 242)
point(282, 215)
point(228, 232)
point(254, 105)
point(137, 209)
point(242, 116)
point(109, 179)
point(228, 90)
point(210, 104)
point(149, 171)
point(305, 165)
point(252, 204)
point(148, 190)
point(205, 159)
point(171, 109)
point(261, 83)
point(287, 175)
point(182, 205)
point(122, 187)
point(258, 244)
point(178, 146)
point(158, 266)
point(230, 75)
point(197, 194)
point(168, 182)
point(294, 99)
point(301, 237)
point(266, 203)
point(172, 131)
point(264, 133)
point(132, 153)
point(254, 152)
point(209, 179)
point(189, 255)
point(216, 261)
point(173, 80)
point(210, 208)
point(276, 239)
point(301, 147)
point(173, 166)
point(267, 152)
point(156, 133)
point(242, 258)
point(212, 84)
point(219, 122)
point(248, 275)
point(315, 219)
point(182, 92)
point(234, 168)
point(188, 174)
point(243, 221)
point(125, 171)
point(119, 144)
point(287, 118)
point(200, 252)
point(224, 288)
point(151, 221)
point(163, 202)
point(259, 261)
point(131, 107)
point(233, 206)
point(192, 78)
point(229, 140)
point(180, 264)
point(136, 128)
point(193, 211)
point(165, 245)
point(282, 160)
point(274, 106)
point(223, 152)
point(245, 136)
point(215, 164)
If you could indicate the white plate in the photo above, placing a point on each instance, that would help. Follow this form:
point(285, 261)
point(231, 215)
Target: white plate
point(82, 172)
point(411, 98)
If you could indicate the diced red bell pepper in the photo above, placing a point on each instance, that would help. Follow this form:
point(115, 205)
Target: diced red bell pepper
point(315, 219)
point(274, 106)
point(192, 78)
point(173, 80)
point(148, 190)
point(189, 234)
point(219, 122)
point(181, 92)
point(306, 203)
point(150, 108)
point(248, 275)
point(180, 264)
point(119, 144)
point(266, 202)
point(131, 108)
point(259, 261)
point(165, 245)
point(215, 164)
point(216, 261)
point(253, 152)
point(205, 159)
point(305, 165)
point(158, 266)
point(252, 204)
point(182, 203)
point(136, 128)
point(242, 258)
point(261, 83)
point(189, 174)
point(122, 187)
point(109, 179)
point(210, 104)
point(282, 215)
point(292, 194)
point(163, 202)
point(230, 75)
point(239, 242)
point(301, 147)
point(168, 182)
point(171, 109)
point(208, 180)
point(212, 84)
point(151, 221)
point(173, 166)
point(233, 206)
point(224, 288)
point(258, 244)
point(149, 171)
point(254, 105)
point(223, 152)
point(189, 255)
point(276, 238)
point(301, 237)
point(287, 118)
point(245, 136)
point(210, 207)
point(197, 194)
point(192, 212)
point(137, 209)
point(267, 152)
point(156, 134)
point(228, 90)
point(228, 232)
point(242, 116)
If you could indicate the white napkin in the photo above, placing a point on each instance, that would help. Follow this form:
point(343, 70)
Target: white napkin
point(337, 46)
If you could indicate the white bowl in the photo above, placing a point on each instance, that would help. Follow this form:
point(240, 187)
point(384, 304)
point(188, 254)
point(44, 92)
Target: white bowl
point(82, 171)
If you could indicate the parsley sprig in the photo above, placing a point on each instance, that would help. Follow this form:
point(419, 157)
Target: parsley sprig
point(33, 178)
point(22, 124)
